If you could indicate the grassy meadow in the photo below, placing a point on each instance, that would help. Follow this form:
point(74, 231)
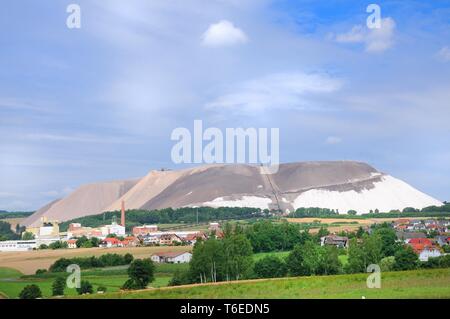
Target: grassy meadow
point(434, 283)
point(12, 281)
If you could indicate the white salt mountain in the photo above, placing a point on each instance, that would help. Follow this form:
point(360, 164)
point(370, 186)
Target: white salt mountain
point(339, 185)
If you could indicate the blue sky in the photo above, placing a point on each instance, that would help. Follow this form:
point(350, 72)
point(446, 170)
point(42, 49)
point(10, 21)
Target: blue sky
point(100, 102)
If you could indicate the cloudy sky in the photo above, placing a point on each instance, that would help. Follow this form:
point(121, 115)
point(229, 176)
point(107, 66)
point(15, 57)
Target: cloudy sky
point(100, 102)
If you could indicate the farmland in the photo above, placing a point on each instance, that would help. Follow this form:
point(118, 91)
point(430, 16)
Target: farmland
point(406, 284)
point(12, 281)
point(28, 262)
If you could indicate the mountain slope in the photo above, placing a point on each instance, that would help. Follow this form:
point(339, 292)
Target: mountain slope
point(341, 185)
point(86, 200)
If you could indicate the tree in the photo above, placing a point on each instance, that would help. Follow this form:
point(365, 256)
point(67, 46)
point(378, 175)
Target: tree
point(141, 273)
point(27, 236)
point(85, 288)
point(388, 239)
point(207, 262)
point(270, 267)
point(95, 241)
point(360, 232)
point(330, 263)
point(237, 252)
point(128, 258)
point(82, 241)
point(352, 212)
point(406, 259)
point(362, 254)
point(294, 261)
point(30, 292)
point(58, 286)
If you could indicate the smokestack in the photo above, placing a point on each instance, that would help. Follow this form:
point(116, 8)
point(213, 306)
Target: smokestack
point(122, 220)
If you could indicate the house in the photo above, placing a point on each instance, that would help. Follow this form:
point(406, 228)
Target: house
point(72, 243)
point(172, 257)
point(404, 236)
point(169, 239)
point(111, 242)
point(425, 252)
point(191, 239)
point(442, 240)
point(420, 241)
point(150, 240)
point(334, 240)
point(18, 245)
point(131, 241)
point(144, 230)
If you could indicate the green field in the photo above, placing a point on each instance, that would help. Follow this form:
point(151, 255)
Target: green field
point(433, 283)
point(12, 282)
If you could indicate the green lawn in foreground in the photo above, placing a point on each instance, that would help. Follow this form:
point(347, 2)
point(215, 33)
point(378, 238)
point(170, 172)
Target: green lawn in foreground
point(11, 283)
point(434, 283)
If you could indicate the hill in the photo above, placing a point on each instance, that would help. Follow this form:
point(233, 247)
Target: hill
point(339, 185)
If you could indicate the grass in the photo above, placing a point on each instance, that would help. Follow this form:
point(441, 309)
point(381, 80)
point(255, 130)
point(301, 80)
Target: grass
point(434, 283)
point(12, 281)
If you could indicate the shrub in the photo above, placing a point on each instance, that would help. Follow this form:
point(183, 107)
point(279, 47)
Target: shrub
point(270, 267)
point(85, 288)
point(30, 292)
point(101, 289)
point(58, 286)
point(387, 263)
point(41, 271)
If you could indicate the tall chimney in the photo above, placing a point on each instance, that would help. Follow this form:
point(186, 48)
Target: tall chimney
point(122, 220)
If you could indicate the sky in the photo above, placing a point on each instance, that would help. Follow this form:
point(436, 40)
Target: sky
point(99, 102)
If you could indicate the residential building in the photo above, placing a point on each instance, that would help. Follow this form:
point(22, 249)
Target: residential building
point(334, 240)
point(144, 230)
point(172, 257)
point(72, 243)
point(169, 239)
point(18, 245)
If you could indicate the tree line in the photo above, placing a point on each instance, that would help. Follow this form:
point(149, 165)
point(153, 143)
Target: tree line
point(186, 215)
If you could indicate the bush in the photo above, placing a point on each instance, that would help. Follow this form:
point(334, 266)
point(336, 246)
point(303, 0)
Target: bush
point(101, 289)
point(130, 284)
point(85, 288)
point(437, 262)
point(40, 271)
point(30, 292)
point(270, 267)
point(58, 286)
point(387, 263)
point(180, 278)
point(107, 260)
point(128, 258)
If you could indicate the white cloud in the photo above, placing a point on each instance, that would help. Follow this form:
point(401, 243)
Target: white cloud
point(223, 33)
point(277, 91)
point(375, 40)
point(333, 140)
point(444, 54)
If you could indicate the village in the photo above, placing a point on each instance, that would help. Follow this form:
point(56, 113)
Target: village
point(427, 237)
point(112, 236)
